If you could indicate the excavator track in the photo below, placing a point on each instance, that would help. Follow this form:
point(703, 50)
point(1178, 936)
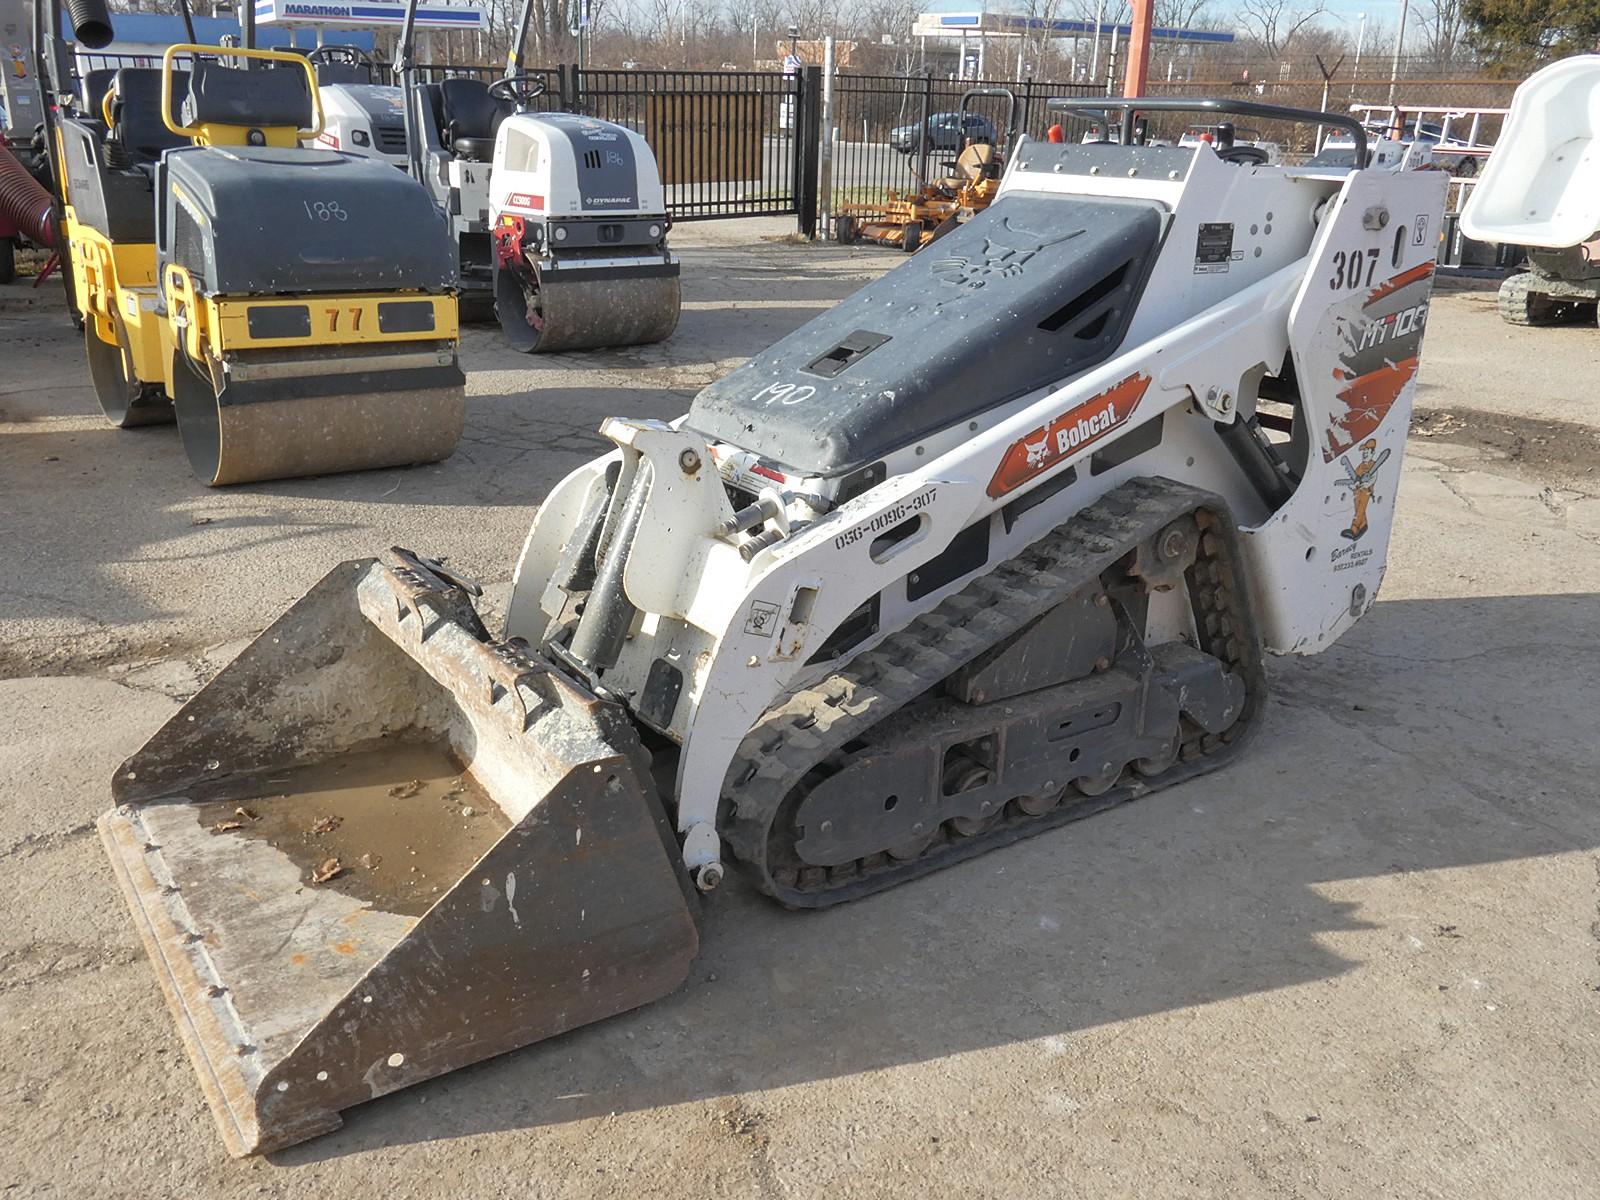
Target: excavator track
point(816, 731)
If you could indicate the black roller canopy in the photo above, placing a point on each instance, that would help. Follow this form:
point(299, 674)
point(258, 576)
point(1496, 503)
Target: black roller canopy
point(247, 219)
point(1029, 292)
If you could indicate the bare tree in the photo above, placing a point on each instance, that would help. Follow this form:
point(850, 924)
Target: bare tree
point(1443, 25)
point(550, 26)
point(1183, 14)
point(887, 23)
point(1275, 23)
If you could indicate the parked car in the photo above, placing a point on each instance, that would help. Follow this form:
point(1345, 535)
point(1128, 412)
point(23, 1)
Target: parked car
point(945, 131)
point(1198, 134)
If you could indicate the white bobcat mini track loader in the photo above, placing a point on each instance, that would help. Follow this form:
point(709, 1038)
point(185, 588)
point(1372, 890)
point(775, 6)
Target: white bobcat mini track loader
point(1000, 541)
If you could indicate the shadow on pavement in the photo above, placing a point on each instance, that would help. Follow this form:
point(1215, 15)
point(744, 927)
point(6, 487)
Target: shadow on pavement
point(1422, 742)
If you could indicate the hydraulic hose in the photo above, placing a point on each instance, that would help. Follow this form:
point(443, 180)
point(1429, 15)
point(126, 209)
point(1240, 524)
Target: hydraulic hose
point(24, 203)
point(91, 22)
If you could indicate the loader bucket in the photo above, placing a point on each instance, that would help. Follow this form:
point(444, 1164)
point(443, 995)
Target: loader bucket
point(379, 846)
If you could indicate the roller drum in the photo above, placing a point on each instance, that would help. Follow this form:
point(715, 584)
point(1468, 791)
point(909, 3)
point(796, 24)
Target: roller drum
point(126, 401)
point(280, 419)
point(579, 313)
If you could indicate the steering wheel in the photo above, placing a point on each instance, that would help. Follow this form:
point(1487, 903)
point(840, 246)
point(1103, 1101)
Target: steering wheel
point(1244, 156)
point(344, 56)
point(522, 89)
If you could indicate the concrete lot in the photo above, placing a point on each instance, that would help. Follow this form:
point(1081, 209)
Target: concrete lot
point(1364, 962)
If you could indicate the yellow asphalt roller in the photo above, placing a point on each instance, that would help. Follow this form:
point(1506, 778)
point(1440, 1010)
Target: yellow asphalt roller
point(294, 310)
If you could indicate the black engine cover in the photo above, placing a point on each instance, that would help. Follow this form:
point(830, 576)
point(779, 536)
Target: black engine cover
point(255, 220)
point(1031, 291)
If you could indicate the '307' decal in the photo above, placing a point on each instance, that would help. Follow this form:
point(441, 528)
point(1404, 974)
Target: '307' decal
point(1349, 268)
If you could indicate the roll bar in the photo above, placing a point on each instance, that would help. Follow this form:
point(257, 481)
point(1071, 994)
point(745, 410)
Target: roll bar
point(1129, 105)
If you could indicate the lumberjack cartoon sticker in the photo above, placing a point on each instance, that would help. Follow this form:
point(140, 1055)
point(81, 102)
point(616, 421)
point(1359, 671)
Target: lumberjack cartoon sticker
point(1072, 431)
point(1381, 336)
point(1359, 480)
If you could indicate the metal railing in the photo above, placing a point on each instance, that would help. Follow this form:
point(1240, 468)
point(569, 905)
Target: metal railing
point(1436, 94)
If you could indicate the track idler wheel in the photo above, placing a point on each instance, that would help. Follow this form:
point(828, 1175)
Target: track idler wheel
point(1037, 806)
point(963, 774)
point(912, 848)
point(1100, 781)
point(126, 401)
point(1155, 764)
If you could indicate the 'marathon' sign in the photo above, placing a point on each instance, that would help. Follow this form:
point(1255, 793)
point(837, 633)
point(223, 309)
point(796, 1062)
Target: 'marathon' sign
point(366, 12)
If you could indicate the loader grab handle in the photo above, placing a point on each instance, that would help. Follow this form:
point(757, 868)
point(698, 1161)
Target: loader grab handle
point(1128, 105)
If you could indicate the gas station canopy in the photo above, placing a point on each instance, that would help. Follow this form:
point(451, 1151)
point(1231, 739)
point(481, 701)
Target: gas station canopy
point(1009, 18)
point(347, 14)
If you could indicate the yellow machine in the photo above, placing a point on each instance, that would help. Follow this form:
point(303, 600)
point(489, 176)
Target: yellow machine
point(293, 310)
point(908, 222)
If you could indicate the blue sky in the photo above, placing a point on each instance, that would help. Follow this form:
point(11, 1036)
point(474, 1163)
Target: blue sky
point(1347, 13)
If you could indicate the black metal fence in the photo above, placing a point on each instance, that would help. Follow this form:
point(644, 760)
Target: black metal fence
point(892, 131)
point(727, 143)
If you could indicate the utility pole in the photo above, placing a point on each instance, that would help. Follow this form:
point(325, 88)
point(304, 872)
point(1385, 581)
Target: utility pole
point(1399, 42)
point(1136, 76)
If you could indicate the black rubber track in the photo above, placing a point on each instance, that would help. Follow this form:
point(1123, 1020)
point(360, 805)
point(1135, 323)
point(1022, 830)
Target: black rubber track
point(768, 777)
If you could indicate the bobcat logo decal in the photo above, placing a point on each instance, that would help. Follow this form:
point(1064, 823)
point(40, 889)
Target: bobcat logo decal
point(999, 260)
point(1070, 433)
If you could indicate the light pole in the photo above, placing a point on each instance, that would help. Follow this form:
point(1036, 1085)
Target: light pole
point(1399, 41)
point(1094, 58)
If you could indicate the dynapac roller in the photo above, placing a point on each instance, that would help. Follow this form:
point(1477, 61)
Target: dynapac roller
point(1000, 541)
